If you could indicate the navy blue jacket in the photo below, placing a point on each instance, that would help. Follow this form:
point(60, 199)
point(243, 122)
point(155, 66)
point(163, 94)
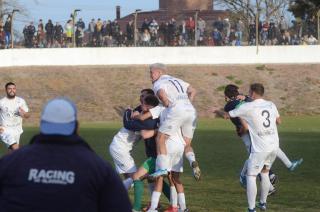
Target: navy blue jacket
point(137, 125)
point(231, 105)
point(59, 173)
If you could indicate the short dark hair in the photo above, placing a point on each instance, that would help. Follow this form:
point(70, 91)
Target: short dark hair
point(231, 91)
point(257, 88)
point(149, 91)
point(151, 100)
point(8, 84)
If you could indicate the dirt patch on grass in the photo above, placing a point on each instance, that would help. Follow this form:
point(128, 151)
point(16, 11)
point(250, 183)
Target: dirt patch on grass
point(100, 90)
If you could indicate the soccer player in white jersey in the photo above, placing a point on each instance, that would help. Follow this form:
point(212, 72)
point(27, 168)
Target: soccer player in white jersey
point(121, 147)
point(262, 118)
point(175, 145)
point(177, 96)
point(13, 110)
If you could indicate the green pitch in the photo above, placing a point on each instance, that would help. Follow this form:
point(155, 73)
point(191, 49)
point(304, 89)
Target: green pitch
point(221, 155)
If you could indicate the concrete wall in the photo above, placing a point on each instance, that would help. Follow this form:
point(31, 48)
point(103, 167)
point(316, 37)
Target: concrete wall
point(168, 55)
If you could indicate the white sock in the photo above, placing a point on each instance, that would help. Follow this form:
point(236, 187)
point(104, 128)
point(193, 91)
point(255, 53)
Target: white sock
point(151, 188)
point(173, 196)
point(155, 200)
point(251, 191)
point(283, 157)
point(265, 185)
point(162, 162)
point(244, 169)
point(127, 183)
point(182, 201)
point(191, 157)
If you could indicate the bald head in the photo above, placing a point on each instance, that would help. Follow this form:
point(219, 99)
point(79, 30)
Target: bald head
point(157, 70)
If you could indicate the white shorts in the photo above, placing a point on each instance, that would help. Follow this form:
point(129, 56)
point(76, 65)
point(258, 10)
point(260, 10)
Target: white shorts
point(179, 118)
point(175, 150)
point(9, 138)
point(123, 161)
point(257, 160)
point(247, 141)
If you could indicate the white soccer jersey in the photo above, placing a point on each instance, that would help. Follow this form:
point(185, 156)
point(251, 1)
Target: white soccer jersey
point(125, 139)
point(261, 117)
point(175, 89)
point(9, 113)
point(156, 111)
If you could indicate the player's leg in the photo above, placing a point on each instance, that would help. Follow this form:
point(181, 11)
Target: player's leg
point(180, 190)
point(10, 141)
point(247, 143)
point(188, 127)
point(255, 165)
point(138, 183)
point(265, 182)
point(291, 165)
point(173, 196)
point(124, 163)
point(156, 194)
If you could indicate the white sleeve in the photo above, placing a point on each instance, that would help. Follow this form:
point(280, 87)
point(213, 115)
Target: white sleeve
point(24, 105)
point(156, 111)
point(241, 111)
point(276, 110)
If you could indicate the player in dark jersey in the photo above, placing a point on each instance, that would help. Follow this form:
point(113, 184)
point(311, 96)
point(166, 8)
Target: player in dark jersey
point(148, 167)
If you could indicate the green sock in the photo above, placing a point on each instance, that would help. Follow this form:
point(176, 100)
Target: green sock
point(138, 193)
point(166, 190)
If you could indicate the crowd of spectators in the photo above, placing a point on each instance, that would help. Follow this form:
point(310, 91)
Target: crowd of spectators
point(188, 32)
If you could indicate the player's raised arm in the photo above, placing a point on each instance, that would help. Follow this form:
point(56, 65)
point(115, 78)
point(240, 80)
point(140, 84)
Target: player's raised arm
point(191, 93)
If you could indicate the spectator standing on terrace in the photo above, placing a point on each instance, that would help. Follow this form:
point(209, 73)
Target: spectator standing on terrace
point(79, 37)
point(226, 27)
point(58, 32)
point(130, 33)
point(69, 32)
point(201, 27)
point(272, 33)
point(239, 31)
point(191, 24)
point(217, 37)
point(283, 26)
point(30, 34)
point(104, 33)
point(183, 31)
point(2, 37)
point(264, 33)
point(146, 38)
point(91, 30)
point(97, 32)
point(218, 24)
point(145, 25)
point(7, 31)
point(80, 24)
point(153, 29)
point(40, 35)
point(49, 32)
point(172, 27)
point(252, 33)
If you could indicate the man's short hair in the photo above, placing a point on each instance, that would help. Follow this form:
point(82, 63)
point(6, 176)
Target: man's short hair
point(8, 84)
point(231, 91)
point(151, 100)
point(160, 66)
point(257, 88)
point(149, 91)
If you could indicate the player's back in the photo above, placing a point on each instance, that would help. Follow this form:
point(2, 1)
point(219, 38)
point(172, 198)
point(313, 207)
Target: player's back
point(261, 118)
point(175, 89)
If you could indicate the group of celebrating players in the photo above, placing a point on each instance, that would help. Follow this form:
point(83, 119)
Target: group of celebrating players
point(166, 121)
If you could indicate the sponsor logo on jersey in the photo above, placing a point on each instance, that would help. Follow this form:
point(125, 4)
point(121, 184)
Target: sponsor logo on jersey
point(43, 176)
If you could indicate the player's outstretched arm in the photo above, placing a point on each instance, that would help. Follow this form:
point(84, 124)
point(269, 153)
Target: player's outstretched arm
point(23, 113)
point(191, 93)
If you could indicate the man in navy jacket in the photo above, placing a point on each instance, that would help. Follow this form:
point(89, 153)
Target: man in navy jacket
point(58, 171)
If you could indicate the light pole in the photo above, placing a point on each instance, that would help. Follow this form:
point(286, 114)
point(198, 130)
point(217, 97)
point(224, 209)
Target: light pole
point(195, 28)
point(318, 14)
point(12, 16)
point(135, 26)
point(257, 28)
point(74, 14)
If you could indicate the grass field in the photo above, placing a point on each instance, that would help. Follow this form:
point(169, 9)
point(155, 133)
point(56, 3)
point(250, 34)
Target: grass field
point(221, 155)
